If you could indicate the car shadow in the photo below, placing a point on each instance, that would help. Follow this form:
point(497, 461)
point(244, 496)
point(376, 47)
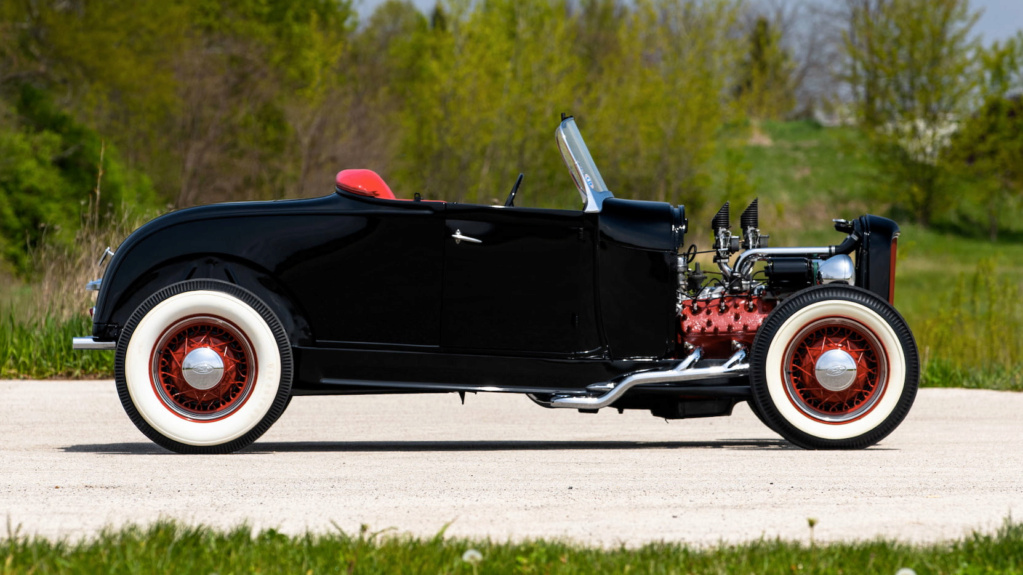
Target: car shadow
point(506, 445)
point(145, 448)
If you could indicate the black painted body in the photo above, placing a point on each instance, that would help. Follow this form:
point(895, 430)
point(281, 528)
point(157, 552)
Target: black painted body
point(376, 295)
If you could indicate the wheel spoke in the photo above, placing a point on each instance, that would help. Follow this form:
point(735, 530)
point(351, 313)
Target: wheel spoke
point(230, 347)
point(808, 348)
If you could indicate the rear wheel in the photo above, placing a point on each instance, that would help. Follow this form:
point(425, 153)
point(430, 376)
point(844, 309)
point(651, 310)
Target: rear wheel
point(834, 367)
point(203, 367)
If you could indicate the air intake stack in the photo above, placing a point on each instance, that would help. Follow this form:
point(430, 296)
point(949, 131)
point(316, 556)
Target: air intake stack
point(720, 221)
point(749, 224)
point(724, 242)
point(750, 216)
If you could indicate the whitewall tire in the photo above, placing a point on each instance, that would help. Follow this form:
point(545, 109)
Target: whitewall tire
point(834, 367)
point(203, 366)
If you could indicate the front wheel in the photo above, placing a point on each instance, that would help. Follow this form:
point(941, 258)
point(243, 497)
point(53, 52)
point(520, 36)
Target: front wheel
point(203, 366)
point(834, 367)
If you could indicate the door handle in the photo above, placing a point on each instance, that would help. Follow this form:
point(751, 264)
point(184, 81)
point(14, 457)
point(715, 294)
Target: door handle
point(459, 238)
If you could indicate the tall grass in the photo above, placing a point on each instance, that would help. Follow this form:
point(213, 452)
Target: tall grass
point(41, 348)
point(170, 548)
point(976, 338)
point(40, 315)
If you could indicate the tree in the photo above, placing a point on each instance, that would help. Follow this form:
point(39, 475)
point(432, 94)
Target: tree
point(765, 85)
point(215, 99)
point(810, 33)
point(661, 99)
point(50, 177)
point(491, 83)
point(989, 145)
point(910, 71)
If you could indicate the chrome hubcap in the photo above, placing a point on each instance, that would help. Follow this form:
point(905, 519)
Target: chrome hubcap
point(835, 370)
point(202, 368)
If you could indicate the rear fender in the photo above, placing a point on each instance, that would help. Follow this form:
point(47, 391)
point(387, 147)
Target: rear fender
point(207, 266)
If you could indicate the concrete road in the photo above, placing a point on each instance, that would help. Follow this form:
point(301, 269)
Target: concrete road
point(499, 466)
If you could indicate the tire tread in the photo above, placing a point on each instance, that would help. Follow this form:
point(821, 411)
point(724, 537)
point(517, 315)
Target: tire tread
point(758, 354)
point(287, 365)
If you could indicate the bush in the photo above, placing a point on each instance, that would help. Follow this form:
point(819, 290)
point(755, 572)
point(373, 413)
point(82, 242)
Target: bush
point(52, 171)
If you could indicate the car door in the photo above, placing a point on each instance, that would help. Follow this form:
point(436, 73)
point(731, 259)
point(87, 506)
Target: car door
point(372, 271)
point(519, 281)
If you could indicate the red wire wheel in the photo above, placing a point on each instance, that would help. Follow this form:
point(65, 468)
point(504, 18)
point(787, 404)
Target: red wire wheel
point(835, 370)
point(834, 367)
point(203, 368)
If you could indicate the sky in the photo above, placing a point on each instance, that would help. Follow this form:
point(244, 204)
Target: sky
point(999, 20)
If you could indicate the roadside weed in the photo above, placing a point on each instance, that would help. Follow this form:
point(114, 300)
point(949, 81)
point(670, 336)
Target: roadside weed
point(167, 547)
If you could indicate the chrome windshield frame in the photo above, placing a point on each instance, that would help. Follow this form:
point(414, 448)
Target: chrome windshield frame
point(580, 164)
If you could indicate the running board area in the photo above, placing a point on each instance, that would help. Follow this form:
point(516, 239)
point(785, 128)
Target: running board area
point(681, 373)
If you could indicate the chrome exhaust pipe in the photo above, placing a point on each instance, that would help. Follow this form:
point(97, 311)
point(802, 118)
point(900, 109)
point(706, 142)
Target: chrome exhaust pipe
point(682, 372)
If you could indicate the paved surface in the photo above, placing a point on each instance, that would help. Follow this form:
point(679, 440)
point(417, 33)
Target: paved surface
point(71, 463)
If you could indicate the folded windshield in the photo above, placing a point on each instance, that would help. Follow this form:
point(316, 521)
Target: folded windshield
point(580, 164)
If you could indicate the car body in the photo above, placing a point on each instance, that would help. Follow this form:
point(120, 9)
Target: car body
point(219, 314)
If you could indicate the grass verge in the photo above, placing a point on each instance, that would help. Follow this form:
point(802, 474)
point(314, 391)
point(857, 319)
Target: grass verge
point(170, 548)
point(40, 315)
point(41, 348)
point(975, 338)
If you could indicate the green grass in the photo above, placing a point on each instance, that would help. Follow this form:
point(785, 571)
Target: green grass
point(801, 163)
point(170, 548)
point(41, 348)
point(975, 338)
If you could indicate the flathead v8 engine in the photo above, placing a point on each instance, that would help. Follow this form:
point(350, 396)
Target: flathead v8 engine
point(726, 311)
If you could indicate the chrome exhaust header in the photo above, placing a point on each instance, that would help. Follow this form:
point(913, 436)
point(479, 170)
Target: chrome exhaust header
point(682, 372)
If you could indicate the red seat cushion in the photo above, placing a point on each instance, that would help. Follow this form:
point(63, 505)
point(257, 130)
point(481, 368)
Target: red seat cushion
point(364, 183)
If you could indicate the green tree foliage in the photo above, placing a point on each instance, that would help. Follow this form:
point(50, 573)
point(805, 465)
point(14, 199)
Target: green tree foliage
point(661, 99)
point(910, 69)
point(215, 99)
point(387, 59)
point(253, 99)
point(492, 80)
point(489, 86)
point(765, 86)
point(259, 88)
point(989, 145)
point(50, 177)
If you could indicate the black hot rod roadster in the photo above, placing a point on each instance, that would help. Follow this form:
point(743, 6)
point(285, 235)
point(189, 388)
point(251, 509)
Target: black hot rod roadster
point(220, 314)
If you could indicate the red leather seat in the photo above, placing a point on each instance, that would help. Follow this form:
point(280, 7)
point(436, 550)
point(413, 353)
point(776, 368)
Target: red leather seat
point(364, 183)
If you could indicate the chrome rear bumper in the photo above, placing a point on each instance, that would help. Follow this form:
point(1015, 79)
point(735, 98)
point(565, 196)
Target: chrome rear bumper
point(89, 342)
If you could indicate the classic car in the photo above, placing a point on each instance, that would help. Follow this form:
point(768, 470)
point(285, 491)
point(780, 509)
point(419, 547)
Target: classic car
point(220, 314)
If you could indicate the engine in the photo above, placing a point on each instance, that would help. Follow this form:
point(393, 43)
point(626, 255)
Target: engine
point(721, 311)
point(719, 324)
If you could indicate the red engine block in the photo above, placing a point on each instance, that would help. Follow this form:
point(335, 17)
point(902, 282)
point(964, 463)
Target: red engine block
point(714, 324)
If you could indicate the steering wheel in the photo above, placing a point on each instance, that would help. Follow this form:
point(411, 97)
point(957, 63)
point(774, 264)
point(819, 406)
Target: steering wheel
point(511, 197)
